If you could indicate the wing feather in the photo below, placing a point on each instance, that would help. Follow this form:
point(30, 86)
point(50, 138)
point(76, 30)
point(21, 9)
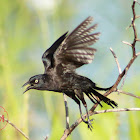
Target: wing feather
point(74, 50)
point(47, 57)
point(81, 54)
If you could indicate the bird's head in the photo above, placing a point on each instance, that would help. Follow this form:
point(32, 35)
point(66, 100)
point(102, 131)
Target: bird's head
point(35, 82)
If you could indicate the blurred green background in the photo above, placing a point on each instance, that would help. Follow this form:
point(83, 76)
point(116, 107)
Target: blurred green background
point(27, 29)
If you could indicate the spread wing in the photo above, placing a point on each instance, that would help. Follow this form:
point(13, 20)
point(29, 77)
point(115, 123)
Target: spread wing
point(74, 51)
point(47, 57)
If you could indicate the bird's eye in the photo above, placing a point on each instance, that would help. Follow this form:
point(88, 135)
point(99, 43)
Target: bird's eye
point(36, 81)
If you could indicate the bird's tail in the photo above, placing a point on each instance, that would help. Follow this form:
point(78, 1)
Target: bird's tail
point(98, 88)
point(93, 94)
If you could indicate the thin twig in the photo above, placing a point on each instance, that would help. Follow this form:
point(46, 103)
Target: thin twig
point(116, 110)
point(137, 2)
point(134, 28)
point(137, 16)
point(16, 128)
point(127, 93)
point(138, 54)
point(66, 110)
point(117, 62)
point(127, 43)
point(138, 39)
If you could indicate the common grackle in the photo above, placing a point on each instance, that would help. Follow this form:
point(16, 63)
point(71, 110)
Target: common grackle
point(69, 52)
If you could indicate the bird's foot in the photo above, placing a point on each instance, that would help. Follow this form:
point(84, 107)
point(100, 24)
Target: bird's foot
point(89, 123)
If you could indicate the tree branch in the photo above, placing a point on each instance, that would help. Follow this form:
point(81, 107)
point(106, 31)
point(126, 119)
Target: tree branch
point(22, 133)
point(121, 75)
point(127, 43)
point(117, 62)
point(116, 110)
point(127, 93)
point(67, 132)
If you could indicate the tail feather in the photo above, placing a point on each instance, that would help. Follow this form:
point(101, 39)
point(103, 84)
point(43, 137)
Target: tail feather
point(98, 88)
point(91, 97)
point(103, 98)
point(96, 99)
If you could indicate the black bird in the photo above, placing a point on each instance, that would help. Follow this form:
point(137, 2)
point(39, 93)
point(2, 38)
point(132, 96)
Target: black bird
point(69, 52)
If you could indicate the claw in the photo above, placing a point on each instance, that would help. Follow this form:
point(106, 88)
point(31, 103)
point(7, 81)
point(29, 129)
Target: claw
point(88, 123)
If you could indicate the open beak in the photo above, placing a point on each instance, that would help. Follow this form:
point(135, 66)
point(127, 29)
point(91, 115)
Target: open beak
point(28, 88)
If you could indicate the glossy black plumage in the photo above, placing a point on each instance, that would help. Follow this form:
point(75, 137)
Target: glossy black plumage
point(61, 60)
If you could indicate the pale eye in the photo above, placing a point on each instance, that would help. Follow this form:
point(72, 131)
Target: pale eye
point(36, 81)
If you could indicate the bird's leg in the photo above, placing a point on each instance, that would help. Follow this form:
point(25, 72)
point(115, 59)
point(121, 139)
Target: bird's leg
point(88, 121)
point(66, 110)
point(82, 115)
point(78, 102)
point(80, 95)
